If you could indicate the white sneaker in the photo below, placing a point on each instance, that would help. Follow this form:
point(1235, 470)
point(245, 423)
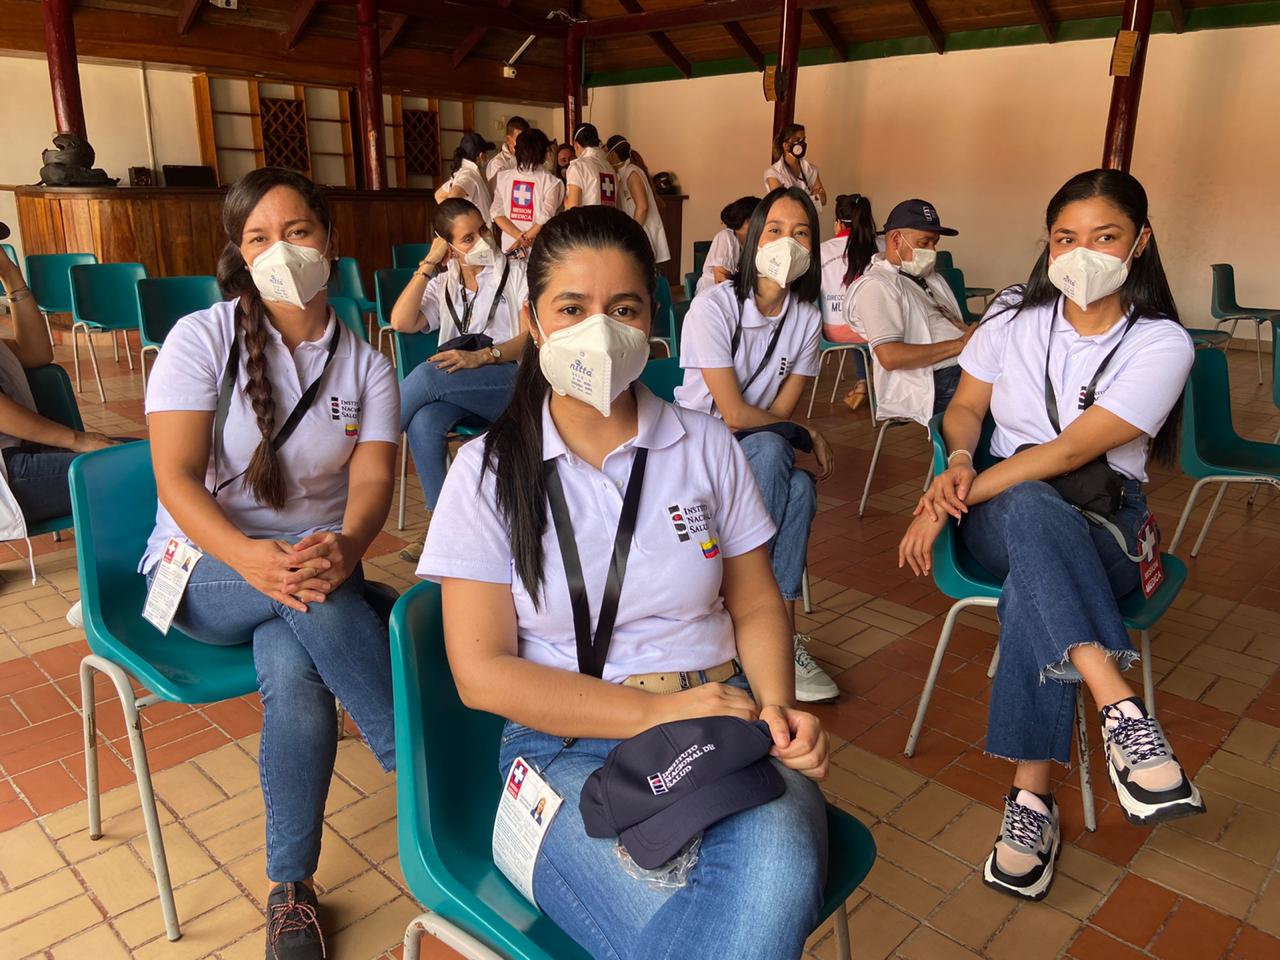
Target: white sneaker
point(1149, 781)
point(1021, 863)
point(74, 616)
point(812, 683)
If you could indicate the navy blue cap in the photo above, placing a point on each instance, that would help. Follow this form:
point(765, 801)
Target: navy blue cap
point(474, 144)
point(916, 215)
point(659, 789)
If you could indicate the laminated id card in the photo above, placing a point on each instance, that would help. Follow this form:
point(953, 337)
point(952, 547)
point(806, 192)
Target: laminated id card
point(170, 583)
point(1150, 566)
point(525, 812)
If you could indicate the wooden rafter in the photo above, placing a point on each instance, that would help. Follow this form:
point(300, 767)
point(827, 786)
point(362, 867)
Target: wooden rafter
point(930, 24)
point(302, 16)
point(1045, 16)
point(475, 38)
point(391, 36)
point(470, 15)
point(822, 20)
point(743, 39)
point(188, 15)
point(662, 42)
point(1178, 13)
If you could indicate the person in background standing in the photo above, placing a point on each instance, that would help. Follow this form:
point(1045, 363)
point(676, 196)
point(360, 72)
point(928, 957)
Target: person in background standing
point(505, 159)
point(638, 200)
point(791, 169)
point(564, 157)
point(468, 181)
point(590, 178)
point(527, 195)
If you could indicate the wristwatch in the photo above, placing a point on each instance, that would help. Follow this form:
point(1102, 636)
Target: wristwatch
point(496, 354)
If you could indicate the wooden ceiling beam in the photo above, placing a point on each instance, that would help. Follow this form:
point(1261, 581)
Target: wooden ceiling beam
point(468, 44)
point(303, 14)
point(707, 14)
point(1045, 16)
point(822, 20)
point(743, 40)
point(930, 24)
point(1178, 12)
point(661, 41)
point(188, 15)
point(469, 15)
point(391, 36)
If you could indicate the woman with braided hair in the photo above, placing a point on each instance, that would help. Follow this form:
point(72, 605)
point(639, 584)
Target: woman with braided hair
point(274, 431)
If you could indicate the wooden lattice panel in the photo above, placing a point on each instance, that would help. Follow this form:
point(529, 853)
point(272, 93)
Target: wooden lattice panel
point(284, 134)
point(422, 142)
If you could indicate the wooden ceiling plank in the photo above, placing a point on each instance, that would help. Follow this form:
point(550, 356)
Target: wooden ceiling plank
point(822, 20)
point(391, 36)
point(1045, 16)
point(188, 15)
point(661, 41)
point(470, 15)
point(1178, 12)
point(743, 40)
point(930, 24)
point(676, 18)
point(468, 44)
point(302, 17)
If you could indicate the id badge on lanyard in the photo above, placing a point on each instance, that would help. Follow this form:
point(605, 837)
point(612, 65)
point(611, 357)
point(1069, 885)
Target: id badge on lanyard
point(525, 812)
point(1150, 566)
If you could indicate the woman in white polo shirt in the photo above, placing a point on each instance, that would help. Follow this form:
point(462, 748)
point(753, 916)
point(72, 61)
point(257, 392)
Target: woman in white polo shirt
point(468, 181)
point(590, 178)
point(1082, 369)
point(527, 195)
point(697, 600)
point(274, 432)
point(721, 263)
point(638, 199)
point(791, 169)
point(748, 350)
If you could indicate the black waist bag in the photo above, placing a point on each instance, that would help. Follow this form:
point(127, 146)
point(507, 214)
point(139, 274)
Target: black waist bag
point(1094, 487)
point(468, 341)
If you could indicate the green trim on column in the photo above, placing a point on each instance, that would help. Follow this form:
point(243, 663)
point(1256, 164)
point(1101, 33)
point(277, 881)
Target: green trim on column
point(1198, 18)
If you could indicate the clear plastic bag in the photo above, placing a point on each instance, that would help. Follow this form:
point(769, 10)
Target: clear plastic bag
point(672, 875)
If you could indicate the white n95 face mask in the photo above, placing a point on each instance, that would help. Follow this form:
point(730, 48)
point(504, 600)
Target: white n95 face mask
point(922, 262)
point(288, 273)
point(480, 255)
point(782, 260)
point(594, 360)
point(1086, 276)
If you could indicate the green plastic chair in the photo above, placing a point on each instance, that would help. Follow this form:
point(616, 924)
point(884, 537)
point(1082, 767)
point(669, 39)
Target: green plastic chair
point(955, 280)
point(700, 250)
point(664, 318)
point(387, 287)
point(346, 281)
point(349, 315)
point(678, 312)
point(49, 277)
point(408, 255)
point(961, 578)
point(447, 793)
point(104, 299)
point(1225, 309)
point(164, 301)
point(1211, 450)
point(662, 376)
point(690, 285)
point(56, 401)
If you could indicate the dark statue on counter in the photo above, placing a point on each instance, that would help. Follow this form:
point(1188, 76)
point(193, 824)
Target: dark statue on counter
point(70, 164)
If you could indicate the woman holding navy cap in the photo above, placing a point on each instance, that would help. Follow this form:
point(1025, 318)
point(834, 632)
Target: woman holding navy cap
point(585, 463)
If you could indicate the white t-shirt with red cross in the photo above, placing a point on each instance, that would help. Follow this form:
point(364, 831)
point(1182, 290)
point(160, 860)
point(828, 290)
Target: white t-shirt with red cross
point(526, 198)
point(595, 177)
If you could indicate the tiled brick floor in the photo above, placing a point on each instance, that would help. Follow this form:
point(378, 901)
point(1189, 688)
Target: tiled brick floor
point(1197, 889)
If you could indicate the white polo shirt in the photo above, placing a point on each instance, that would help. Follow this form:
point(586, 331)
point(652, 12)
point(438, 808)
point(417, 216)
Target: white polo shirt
point(653, 226)
point(358, 402)
point(808, 181)
point(699, 504)
point(526, 198)
point(831, 256)
point(474, 186)
point(595, 177)
point(504, 159)
point(15, 386)
point(707, 337)
point(1140, 385)
point(506, 318)
point(724, 253)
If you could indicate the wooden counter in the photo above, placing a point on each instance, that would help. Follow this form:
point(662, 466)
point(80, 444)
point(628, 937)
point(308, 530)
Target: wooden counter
point(178, 232)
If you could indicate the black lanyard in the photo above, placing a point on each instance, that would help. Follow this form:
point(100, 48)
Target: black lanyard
point(228, 387)
point(1051, 398)
point(768, 354)
point(593, 652)
point(464, 325)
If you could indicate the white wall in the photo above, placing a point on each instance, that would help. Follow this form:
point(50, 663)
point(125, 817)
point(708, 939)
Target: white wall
point(989, 135)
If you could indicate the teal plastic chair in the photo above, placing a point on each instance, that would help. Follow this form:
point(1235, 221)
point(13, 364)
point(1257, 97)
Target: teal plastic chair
point(349, 315)
point(664, 319)
point(1225, 309)
point(662, 376)
point(104, 299)
point(690, 285)
point(447, 793)
point(955, 280)
point(163, 301)
point(49, 277)
point(700, 250)
point(387, 287)
point(347, 281)
point(961, 578)
point(1211, 450)
point(678, 312)
point(408, 255)
point(12, 254)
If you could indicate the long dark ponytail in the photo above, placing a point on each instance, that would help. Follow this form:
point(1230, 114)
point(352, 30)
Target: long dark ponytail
point(854, 211)
point(1145, 292)
point(513, 445)
point(264, 477)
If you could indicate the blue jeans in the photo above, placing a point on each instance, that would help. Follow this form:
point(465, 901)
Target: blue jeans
point(339, 647)
point(791, 497)
point(431, 404)
point(38, 479)
point(754, 894)
point(945, 382)
point(1061, 576)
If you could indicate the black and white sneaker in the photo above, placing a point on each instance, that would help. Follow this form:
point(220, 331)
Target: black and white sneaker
point(293, 926)
point(1149, 781)
point(1021, 863)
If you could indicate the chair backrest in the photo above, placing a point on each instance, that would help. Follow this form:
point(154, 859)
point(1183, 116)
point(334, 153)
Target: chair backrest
point(388, 285)
point(955, 572)
point(1207, 429)
point(678, 313)
point(1222, 303)
point(662, 376)
point(664, 320)
point(49, 276)
point(409, 255)
point(348, 313)
point(55, 399)
point(11, 253)
point(700, 250)
point(107, 294)
point(447, 789)
point(1275, 362)
point(690, 285)
point(944, 261)
point(166, 300)
point(955, 280)
point(345, 280)
point(413, 349)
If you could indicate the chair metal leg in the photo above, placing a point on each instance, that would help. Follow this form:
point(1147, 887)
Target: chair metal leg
point(804, 591)
point(448, 934)
point(1148, 684)
point(1204, 531)
point(142, 364)
point(48, 326)
point(57, 536)
point(934, 668)
point(995, 662)
point(341, 715)
point(141, 772)
point(75, 351)
point(128, 354)
point(115, 346)
point(841, 918)
point(871, 388)
point(822, 363)
point(404, 475)
point(1257, 335)
point(93, 360)
point(1186, 513)
point(871, 470)
point(839, 375)
point(1082, 752)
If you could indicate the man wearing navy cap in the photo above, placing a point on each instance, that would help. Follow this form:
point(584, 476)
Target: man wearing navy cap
point(910, 317)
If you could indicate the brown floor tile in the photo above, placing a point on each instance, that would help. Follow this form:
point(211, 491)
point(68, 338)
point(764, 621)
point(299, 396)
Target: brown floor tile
point(1193, 883)
point(1252, 944)
point(1135, 910)
point(1093, 945)
point(1036, 930)
point(1195, 933)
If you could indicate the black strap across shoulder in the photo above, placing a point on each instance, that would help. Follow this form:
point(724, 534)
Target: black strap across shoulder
point(1051, 398)
point(228, 387)
point(768, 354)
point(464, 325)
point(594, 651)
